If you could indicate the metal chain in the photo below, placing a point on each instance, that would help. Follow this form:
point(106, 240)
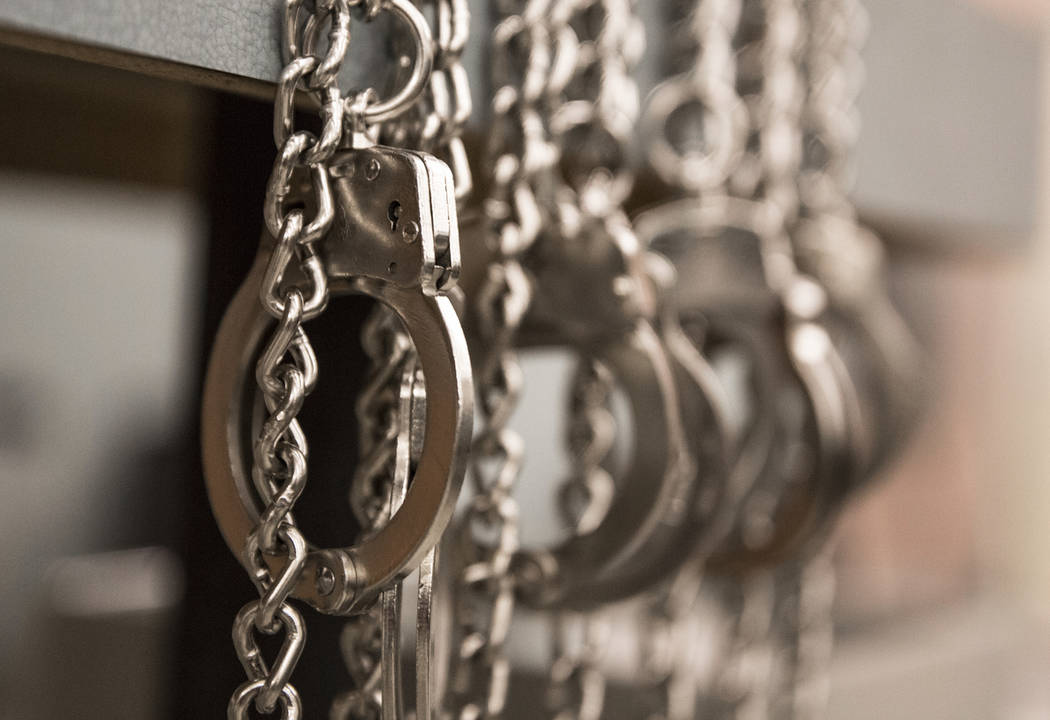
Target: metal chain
point(669, 645)
point(804, 598)
point(830, 120)
point(593, 120)
point(381, 416)
point(586, 495)
point(389, 350)
point(520, 155)
point(576, 689)
point(834, 71)
point(435, 125)
point(593, 116)
point(742, 690)
point(287, 370)
point(770, 83)
point(361, 643)
point(695, 125)
point(576, 684)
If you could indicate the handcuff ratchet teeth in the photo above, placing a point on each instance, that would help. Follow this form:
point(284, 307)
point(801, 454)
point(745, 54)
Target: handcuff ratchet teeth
point(395, 239)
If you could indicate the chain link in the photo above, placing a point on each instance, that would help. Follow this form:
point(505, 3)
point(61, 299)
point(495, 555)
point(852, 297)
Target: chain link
point(437, 120)
point(382, 415)
point(287, 371)
point(770, 83)
point(434, 124)
point(669, 644)
point(576, 687)
point(696, 129)
point(585, 497)
point(695, 125)
point(593, 116)
point(804, 597)
point(521, 155)
point(831, 123)
point(742, 691)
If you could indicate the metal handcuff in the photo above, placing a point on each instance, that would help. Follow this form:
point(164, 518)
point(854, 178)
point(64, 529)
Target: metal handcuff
point(601, 292)
point(747, 296)
point(394, 237)
point(593, 296)
point(805, 438)
point(876, 343)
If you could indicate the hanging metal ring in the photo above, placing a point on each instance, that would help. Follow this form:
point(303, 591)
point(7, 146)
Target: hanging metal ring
point(405, 98)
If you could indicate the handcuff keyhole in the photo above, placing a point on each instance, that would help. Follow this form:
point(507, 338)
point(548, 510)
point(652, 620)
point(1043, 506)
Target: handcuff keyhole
point(393, 213)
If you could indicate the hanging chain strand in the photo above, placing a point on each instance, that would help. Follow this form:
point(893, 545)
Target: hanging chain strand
point(669, 643)
point(576, 688)
point(594, 114)
point(380, 420)
point(436, 126)
point(389, 350)
point(704, 95)
point(576, 684)
point(585, 496)
point(769, 81)
point(831, 60)
point(834, 69)
point(520, 154)
point(593, 118)
point(804, 598)
point(742, 691)
point(287, 371)
point(437, 122)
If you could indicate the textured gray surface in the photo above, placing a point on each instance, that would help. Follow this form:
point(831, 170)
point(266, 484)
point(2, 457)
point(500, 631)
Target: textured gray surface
point(237, 37)
point(950, 106)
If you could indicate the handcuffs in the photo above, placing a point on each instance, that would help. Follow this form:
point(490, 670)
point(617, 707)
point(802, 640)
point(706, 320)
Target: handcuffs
point(805, 441)
point(593, 296)
point(876, 342)
point(395, 239)
point(600, 295)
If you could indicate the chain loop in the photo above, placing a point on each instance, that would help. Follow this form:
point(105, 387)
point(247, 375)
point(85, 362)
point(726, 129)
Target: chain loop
point(586, 495)
point(770, 82)
point(255, 666)
point(695, 124)
point(286, 371)
point(830, 120)
point(577, 685)
point(520, 153)
point(250, 692)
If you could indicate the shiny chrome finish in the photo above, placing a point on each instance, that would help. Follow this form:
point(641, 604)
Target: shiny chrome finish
point(360, 571)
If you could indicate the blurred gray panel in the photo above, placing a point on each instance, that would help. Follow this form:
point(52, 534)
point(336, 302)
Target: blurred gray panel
point(237, 37)
point(950, 107)
point(951, 111)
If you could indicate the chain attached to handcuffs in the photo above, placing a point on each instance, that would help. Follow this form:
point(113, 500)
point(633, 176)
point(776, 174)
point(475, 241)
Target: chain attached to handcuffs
point(382, 223)
point(751, 135)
